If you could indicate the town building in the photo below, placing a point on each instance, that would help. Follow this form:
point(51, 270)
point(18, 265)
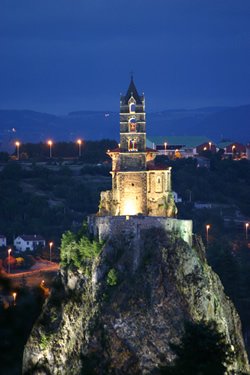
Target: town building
point(233, 149)
point(138, 186)
point(181, 146)
point(3, 240)
point(248, 151)
point(28, 242)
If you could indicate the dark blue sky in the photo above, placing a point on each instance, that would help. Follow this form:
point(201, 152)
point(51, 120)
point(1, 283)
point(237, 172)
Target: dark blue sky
point(65, 55)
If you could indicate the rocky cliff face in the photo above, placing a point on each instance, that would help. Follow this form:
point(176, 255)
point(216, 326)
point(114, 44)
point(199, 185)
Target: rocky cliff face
point(120, 317)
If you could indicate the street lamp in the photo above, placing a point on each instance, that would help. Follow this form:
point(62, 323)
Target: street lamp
point(50, 144)
point(17, 143)
point(247, 225)
point(233, 149)
point(208, 226)
point(165, 147)
point(210, 145)
point(79, 142)
point(14, 298)
point(50, 247)
point(9, 251)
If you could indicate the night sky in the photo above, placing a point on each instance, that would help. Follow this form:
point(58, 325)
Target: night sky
point(64, 55)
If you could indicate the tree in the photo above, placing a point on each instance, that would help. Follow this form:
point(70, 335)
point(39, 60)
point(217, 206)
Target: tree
point(203, 351)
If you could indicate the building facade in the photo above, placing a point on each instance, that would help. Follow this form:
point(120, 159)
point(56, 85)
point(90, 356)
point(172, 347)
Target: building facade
point(181, 146)
point(138, 187)
point(3, 240)
point(28, 242)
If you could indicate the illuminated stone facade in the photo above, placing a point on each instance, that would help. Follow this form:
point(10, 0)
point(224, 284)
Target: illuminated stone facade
point(138, 187)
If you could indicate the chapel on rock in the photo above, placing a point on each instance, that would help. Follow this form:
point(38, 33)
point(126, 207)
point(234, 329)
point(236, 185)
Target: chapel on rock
point(138, 185)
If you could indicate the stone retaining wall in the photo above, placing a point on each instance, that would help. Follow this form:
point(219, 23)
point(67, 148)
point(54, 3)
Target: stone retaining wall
point(103, 226)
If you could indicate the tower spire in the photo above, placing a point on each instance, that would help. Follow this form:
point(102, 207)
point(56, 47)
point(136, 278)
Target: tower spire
point(137, 188)
point(132, 91)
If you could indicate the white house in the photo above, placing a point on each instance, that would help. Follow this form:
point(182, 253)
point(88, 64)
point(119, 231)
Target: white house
point(28, 242)
point(3, 241)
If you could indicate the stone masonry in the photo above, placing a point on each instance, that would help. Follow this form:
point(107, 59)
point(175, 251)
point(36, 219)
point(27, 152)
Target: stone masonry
point(138, 186)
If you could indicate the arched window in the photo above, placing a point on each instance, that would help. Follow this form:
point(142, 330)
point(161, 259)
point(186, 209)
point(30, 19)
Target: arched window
point(132, 145)
point(132, 125)
point(132, 107)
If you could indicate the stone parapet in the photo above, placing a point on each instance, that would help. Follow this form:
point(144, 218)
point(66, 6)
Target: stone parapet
point(103, 227)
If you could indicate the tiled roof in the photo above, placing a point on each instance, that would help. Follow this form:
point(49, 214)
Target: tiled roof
point(32, 237)
point(148, 149)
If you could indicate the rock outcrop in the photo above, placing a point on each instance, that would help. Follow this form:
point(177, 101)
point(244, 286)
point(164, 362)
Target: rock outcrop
point(120, 316)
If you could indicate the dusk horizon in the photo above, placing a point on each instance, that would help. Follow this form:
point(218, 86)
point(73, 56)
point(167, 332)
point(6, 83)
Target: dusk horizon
point(124, 187)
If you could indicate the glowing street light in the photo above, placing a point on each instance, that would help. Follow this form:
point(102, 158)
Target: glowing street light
point(17, 144)
point(9, 251)
point(208, 226)
point(50, 247)
point(42, 284)
point(233, 149)
point(79, 142)
point(210, 145)
point(246, 226)
point(14, 298)
point(165, 147)
point(50, 144)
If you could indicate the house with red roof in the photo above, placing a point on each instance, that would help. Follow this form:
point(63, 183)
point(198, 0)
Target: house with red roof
point(234, 149)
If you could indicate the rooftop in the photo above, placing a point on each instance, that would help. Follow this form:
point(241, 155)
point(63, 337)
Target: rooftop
point(187, 141)
point(32, 237)
point(132, 91)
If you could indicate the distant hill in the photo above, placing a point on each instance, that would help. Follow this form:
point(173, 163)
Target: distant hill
point(213, 122)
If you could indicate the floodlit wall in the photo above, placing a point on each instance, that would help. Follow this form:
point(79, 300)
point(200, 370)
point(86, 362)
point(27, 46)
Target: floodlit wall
point(103, 226)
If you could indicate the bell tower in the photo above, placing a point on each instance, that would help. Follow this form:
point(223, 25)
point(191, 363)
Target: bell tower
point(132, 121)
point(137, 188)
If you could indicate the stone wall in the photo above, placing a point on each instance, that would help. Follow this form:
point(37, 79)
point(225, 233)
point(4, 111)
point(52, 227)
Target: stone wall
point(104, 226)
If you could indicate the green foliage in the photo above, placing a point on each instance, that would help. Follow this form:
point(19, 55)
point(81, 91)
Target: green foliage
point(46, 200)
point(112, 278)
point(80, 252)
point(227, 181)
point(92, 151)
point(202, 351)
point(45, 339)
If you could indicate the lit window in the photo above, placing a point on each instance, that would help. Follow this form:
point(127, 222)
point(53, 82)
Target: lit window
point(132, 145)
point(132, 125)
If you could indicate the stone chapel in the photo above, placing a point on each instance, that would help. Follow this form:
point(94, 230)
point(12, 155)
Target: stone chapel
point(138, 185)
